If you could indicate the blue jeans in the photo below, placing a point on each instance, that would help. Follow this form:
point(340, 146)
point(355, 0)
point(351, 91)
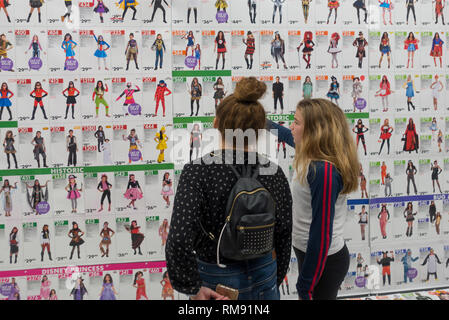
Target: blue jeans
point(159, 55)
point(406, 275)
point(255, 279)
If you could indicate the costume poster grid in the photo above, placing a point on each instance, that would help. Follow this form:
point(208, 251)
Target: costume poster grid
point(94, 92)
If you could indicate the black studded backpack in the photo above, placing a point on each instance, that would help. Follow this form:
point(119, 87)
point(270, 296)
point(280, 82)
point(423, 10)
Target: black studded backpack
point(248, 231)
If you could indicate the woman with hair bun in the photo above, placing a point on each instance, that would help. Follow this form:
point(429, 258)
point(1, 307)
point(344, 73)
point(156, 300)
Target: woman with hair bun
point(194, 261)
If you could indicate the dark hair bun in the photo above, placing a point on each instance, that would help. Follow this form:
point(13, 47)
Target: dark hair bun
point(249, 89)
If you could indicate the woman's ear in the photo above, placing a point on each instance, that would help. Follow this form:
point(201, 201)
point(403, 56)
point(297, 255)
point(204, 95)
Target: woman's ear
point(215, 123)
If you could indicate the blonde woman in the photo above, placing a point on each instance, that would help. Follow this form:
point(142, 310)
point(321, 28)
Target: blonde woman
point(327, 170)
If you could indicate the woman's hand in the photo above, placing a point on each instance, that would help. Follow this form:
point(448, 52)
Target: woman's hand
point(208, 294)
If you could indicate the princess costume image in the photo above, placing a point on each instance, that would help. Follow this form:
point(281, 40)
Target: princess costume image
point(107, 290)
point(45, 288)
point(139, 284)
point(167, 289)
point(161, 139)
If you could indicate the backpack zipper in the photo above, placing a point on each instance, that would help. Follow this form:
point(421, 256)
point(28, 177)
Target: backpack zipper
point(258, 227)
point(228, 218)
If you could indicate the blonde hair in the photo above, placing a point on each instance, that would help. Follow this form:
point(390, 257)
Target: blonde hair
point(326, 137)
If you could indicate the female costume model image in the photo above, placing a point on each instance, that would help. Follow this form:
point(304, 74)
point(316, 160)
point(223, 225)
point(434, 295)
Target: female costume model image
point(411, 171)
point(100, 8)
point(106, 234)
point(360, 42)
point(68, 45)
point(410, 137)
point(136, 236)
point(45, 288)
point(308, 47)
point(436, 171)
point(437, 49)
point(360, 5)
point(37, 195)
point(98, 97)
point(383, 216)
point(356, 93)
point(250, 43)
point(35, 44)
point(167, 289)
point(159, 47)
point(139, 284)
point(13, 245)
point(105, 188)
point(45, 242)
point(385, 48)
point(100, 136)
point(79, 290)
point(333, 48)
point(363, 221)
point(436, 87)
point(334, 90)
point(72, 148)
point(161, 140)
point(167, 190)
point(385, 134)
point(133, 191)
point(163, 233)
point(35, 4)
point(70, 93)
point(411, 45)
point(9, 149)
point(219, 91)
point(76, 235)
point(73, 192)
point(220, 48)
point(409, 87)
point(6, 194)
point(38, 94)
point(159, 96)
point(108, 291)
point(195, 140)
point(384, 91)
point(129, 97)
point(39, 149)
point(5, 100)
point(409, 216)
point(158, 5)
point(278, 49)
point(128, 4)
point(360, 129)
point(131, 51)
point(100, 53)
point(196, 92)
point(134, 144)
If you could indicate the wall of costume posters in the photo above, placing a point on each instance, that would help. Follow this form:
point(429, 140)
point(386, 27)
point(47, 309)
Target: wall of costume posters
point(102, 102)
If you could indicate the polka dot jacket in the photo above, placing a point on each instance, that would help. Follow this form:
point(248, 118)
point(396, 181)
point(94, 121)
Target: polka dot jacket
point(202, 194)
